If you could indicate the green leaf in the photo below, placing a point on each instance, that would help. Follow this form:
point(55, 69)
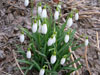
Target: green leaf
point(24, 61)
point(36, 64)
point(74, 62)
point(52, 72)
point(68, 68)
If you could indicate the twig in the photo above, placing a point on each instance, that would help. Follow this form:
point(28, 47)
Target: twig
point(5, 73)
point(97, 39)
point(98, 42)
point(72, 58)
point(86, 60)
point(89, 13)
point(17, 63)
point(76, 58)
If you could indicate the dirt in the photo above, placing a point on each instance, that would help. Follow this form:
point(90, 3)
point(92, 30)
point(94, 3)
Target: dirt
point(14, 14)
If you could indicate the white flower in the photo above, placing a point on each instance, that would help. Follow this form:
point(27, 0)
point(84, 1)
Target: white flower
point(44, 13)
point(22, 38)
point(40, 27)
point(34, 27)
point(44, 29)
point(54, 39)
point(76, 16)
point(62, 61)
point(53, 59)
point(59, 6)
point(66, 38)
point(28, 54)
point(50, 41)
point(39, 10)
point(86, 42)
point(69, 22)
point(42, 71)
point(26, 3)
point(56, 15)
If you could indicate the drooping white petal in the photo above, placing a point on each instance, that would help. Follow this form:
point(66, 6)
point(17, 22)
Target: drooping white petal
point(76, 16)
point(54, 39)
point(69, 22)
point(22, 38)
point(34, 27)
point(66, 38)
point(62, 61)
point(50, 41)
point(40, 27)
point(59, 6)
point(86, 42)
point(28, 54)
point(40, 10)
point(42, 71)
point(44, 28)
point(44, 13)
point(56, 15)
point(26, 3)
point(53, 59)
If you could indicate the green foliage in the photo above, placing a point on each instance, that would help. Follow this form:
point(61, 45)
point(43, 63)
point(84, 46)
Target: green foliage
point(41, 52)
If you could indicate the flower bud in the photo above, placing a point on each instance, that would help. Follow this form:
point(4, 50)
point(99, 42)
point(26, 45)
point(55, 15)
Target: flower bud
point(44, 13)
point(59, 6)
point(50, 41)
point(66, 38)
point(86, 42)
point(76, 16)
point(44, 29)
point(62, 61)
point(39, 10)
point(28, 54)
point(54, 39)
point(34, 27)
point(40, 27)
point(22, 38)
point(56, 15)
point(53, 59)
point(26, 3)
point(42, 71)
point(69, 22)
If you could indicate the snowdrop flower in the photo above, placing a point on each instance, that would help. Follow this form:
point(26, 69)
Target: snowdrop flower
point(22, 37)
point(86, 41)
point(53, 58)
point(59, 6)
point(42, 71)
point(44, 12)
point(28, 54)
point(54, 36)
point(66, 38)
point(34, 27)
point(76, 16)
point(54, 39)
point(40, 27)
point(26, 3)
point(50, 41)
point(70, 21)
point(56, 15)
point(44, 29)
point(62, 61)
point(39, 9)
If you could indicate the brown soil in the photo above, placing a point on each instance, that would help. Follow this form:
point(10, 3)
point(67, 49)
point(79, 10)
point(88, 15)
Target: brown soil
point(14, 14)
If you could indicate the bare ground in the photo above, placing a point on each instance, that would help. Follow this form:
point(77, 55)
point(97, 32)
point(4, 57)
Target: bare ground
point(14, 14)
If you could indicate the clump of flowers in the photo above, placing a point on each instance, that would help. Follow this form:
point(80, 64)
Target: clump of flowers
point(49, 43)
